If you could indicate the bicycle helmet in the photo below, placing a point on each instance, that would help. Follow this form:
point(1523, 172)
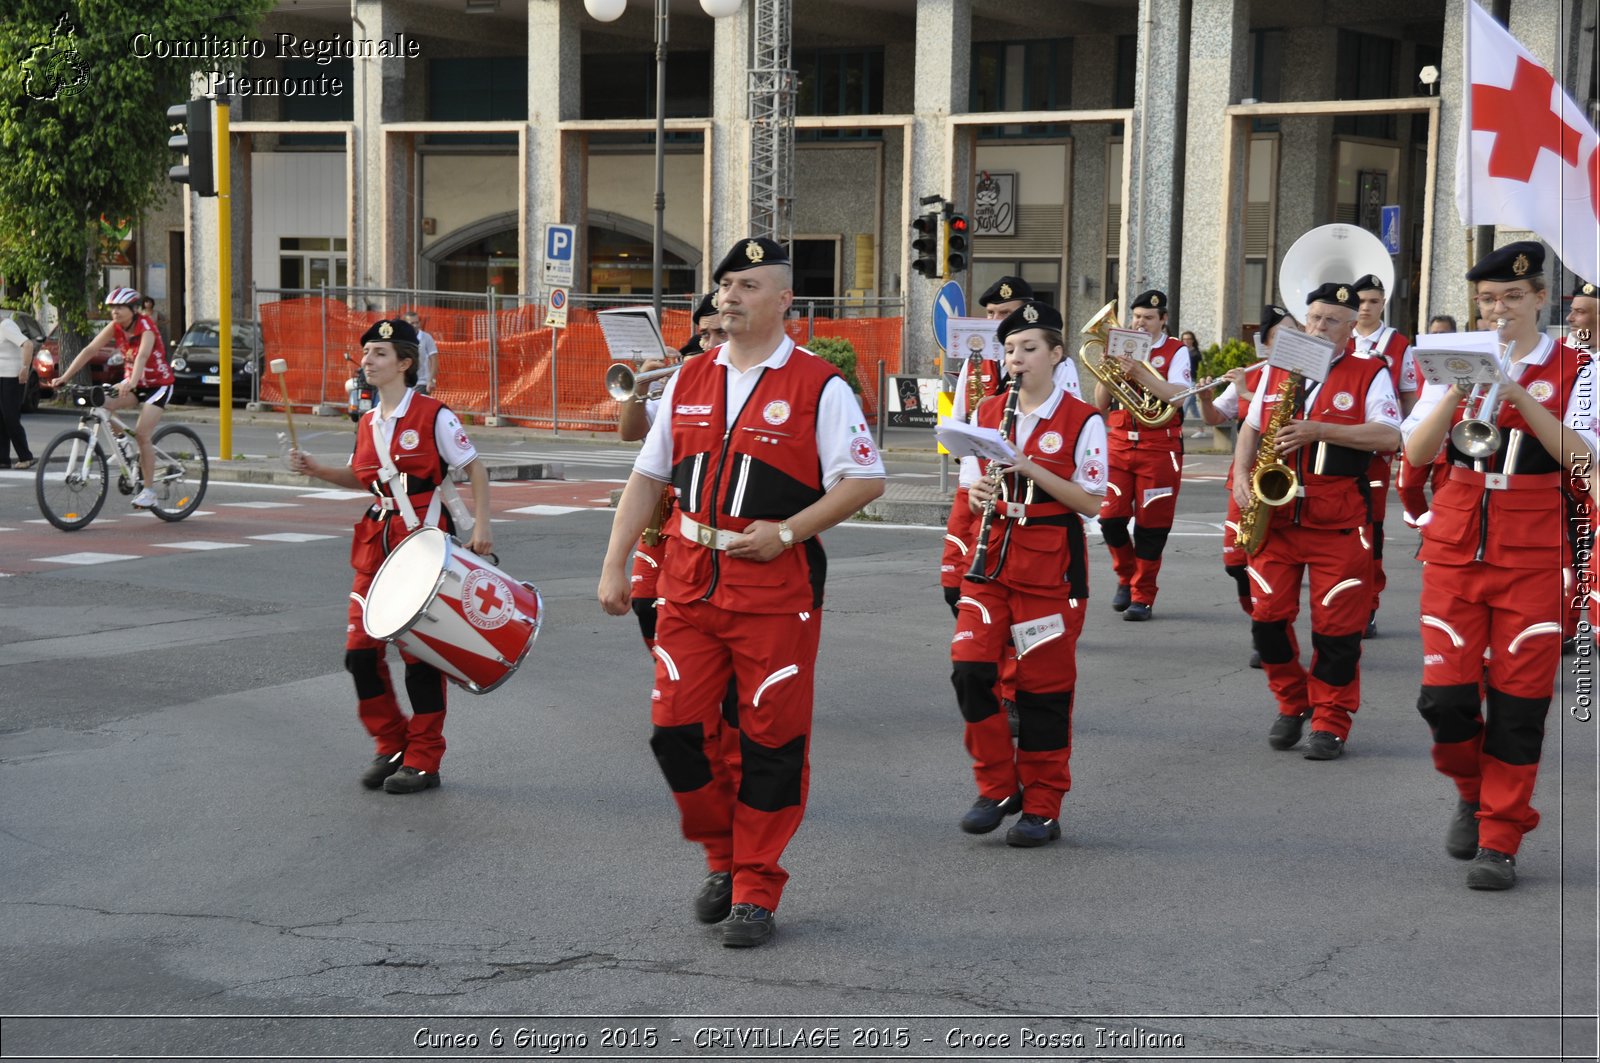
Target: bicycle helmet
point(122, 297)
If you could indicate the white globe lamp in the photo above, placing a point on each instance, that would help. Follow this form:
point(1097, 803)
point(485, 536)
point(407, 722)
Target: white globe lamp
point(720, 8)
point(605, 10)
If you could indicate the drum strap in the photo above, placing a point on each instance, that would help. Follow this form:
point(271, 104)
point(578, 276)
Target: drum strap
point(387, 476)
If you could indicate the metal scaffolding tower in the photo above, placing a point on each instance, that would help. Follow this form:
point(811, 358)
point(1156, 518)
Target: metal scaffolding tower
point(772, 91)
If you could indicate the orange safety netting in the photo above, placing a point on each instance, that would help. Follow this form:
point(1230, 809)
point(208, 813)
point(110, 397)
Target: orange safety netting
point(510, 377)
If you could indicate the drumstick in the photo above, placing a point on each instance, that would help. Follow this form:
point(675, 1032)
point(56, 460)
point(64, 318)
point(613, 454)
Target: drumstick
point(281, 367)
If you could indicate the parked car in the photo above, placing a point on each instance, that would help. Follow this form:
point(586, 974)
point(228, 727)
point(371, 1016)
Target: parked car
point(196, 357)
point(42, 374)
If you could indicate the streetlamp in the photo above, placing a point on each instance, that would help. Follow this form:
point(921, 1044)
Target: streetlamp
point(610, 11)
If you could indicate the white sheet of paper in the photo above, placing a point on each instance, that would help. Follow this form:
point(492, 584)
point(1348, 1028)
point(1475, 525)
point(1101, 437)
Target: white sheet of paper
point(971, 336)
point(1447, 366)
point(1128, 343)
point(970, 441)
point(1488, 341)
point(632, 334)
point(1302, 353)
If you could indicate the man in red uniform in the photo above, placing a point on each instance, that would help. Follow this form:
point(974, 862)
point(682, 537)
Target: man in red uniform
point(1373, 339)
point(1495, 553)
point(1345, 420)
point(1146, 464)
point(766, 447)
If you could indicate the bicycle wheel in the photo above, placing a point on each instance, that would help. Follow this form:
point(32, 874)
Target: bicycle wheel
point(71, 480)
point(178, 490)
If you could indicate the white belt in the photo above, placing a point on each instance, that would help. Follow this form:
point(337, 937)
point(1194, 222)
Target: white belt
point(707, 536)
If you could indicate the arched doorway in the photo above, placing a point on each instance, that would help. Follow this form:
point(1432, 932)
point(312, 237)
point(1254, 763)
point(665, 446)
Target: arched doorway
point(619, 258)
point(474, 257)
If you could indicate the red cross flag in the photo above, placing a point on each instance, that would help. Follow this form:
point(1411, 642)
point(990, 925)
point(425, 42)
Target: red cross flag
point(1528, 158)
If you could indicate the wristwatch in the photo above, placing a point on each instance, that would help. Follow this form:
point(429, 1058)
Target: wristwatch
point(785, 534)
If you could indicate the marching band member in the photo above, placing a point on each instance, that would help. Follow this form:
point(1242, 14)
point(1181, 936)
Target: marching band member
point(1494, 553)
point(1037, 590)
point(1347, 418)
point(1146, 464)
point(1373, 339)
point(766, 447)
point(423, 439)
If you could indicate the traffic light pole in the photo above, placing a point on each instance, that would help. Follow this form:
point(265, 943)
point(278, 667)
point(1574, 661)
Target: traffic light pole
point(225, 283)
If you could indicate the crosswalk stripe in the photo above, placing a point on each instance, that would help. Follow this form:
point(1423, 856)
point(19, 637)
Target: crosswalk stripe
point(291, 537)
point(88, 557)
point(200, 544)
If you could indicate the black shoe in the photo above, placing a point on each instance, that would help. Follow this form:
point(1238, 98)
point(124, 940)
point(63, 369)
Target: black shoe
point(1032, 830)
point(1137, 611)
point(986, 813)
point(747, 926)
point(1461, 837)
point(409, 780)
point(1124, 595)
point(1012, 717)
point(1255, 658)
point(1285, 731)
point(382, 766)
point(1492, 870)
point(1324, 745)
point(714, 899)
point(1372, 627)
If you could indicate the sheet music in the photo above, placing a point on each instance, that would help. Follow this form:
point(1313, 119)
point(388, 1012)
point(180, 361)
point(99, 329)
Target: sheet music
point(1448, 367)
point(970, 336)
point(970, 441)
point(1128, 343)
point(1300, 352)
point(632, 334)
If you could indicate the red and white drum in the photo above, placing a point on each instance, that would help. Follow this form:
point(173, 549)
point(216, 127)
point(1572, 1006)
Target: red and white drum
point(443, 604)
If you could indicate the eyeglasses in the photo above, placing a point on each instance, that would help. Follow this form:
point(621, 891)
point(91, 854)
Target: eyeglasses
point(1316, 320)
point(1511, 299)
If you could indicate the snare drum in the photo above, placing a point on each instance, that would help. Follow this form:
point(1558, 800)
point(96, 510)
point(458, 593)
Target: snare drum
point(443, 604)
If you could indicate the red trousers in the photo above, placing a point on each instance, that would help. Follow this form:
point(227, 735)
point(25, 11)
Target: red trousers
point(742, 815)
point(1046, 674)
point(1143, 486)
point(959, 531)
point(1493, 757)
point(1340, 566)
point(420, 735)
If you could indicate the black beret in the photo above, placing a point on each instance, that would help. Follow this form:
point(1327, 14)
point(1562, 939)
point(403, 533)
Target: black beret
point(1271, 316)
point(1153, 299)
point(1006, 289)
point(1513, 262)
point(1367, 283)
point(1584, 290)
point(1336, 292)
point(706, 307)
point(390, 330)
point(1031, 314)
point(692, 348)
point(748, 254)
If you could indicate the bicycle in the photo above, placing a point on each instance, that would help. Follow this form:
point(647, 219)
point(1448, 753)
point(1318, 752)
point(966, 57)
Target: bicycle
point(74, 472)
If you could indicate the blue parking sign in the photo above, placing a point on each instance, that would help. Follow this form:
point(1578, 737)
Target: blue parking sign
point(560, 245)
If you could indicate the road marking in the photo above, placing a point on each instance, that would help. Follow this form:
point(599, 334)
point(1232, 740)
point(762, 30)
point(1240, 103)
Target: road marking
point(336, 495)
point(260, 505)
point(100, 520)
point(200, 544)
point(549, 511)
point(291, 537)
point(88, 558)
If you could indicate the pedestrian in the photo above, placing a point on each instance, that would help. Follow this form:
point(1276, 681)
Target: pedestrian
point(766, 447)
point(428, 352)
point(1494, 558)
point(1035, 583)
point(421, 439)
point(16, 362)
point(1191, 405)
point(1441, 323)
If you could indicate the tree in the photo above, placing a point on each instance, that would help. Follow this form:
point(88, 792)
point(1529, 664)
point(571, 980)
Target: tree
point(83, 126)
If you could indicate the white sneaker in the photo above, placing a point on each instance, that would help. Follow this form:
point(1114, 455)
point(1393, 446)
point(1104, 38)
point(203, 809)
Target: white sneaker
point(144, 499)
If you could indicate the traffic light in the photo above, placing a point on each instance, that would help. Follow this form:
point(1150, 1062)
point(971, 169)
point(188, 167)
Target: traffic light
point(955, 244)
point(193, 137)
point(925, 245)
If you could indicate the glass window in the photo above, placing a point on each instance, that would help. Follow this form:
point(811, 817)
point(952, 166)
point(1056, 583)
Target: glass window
point(839, 81)
point(1365, 71)
point(482, 89)
point(624, 86)
point(1022, 76)
point(319, 107)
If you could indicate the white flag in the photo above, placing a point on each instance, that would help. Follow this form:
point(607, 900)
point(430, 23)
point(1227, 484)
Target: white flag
point(1528, 158)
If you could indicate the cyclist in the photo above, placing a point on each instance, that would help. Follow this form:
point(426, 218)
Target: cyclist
point(146, 376)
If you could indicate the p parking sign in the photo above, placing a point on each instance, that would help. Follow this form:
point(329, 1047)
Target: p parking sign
point(560, 249)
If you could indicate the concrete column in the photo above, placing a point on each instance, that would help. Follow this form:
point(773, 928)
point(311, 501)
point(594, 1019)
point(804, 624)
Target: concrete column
point(1447, 292)
point(938, 166)
point(1156, 140)
point(733, 47)
point(1093, 75)
point(1305, 150)
point(553, 166)
point(378, 258)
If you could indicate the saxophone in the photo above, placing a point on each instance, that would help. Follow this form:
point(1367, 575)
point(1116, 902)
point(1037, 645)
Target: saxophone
point(974, 382)
point(1272, 483)
point(652, 533)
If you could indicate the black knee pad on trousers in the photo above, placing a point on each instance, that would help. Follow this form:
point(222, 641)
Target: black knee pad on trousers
point(1149, 542)
point(365, 667)
point(1272, 641)
point(1241, 577)
point(1044, 721)
point(425, 687)
point(1377, 541)
point(769, 779)
point(952, 595)
point(1451, 712)
point(681, 752)
point(1338, 657)
point(1514, 731)
point(1114, 531)
point(974, 682)
point(645, 610)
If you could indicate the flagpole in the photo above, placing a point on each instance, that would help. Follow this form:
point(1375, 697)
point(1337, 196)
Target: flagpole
point(1465, 154)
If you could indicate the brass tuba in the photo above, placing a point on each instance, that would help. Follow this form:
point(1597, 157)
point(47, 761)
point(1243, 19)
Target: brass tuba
point(1144, 406)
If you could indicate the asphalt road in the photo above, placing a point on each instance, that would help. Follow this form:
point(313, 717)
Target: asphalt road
point(182, 834)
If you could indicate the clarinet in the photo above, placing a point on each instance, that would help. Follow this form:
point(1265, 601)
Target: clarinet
point(978, 571)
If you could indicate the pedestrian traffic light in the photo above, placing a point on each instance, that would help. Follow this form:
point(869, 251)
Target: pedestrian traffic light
point(192, 136)
point(925, 244)
point(955, 244)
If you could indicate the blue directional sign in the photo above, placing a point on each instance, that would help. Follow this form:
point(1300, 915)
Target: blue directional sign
point(1391, 229)
point(951, 302)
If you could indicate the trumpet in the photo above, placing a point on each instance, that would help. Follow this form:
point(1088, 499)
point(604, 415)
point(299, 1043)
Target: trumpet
point(621, 379)
point(1476, 434)
point(1145, 407)
point(1198, 388)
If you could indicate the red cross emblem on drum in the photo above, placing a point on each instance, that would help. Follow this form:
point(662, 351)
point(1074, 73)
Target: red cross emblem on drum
point(1050, 442)
point(777, 412)
point(486, 600)
point(1343, 401)
point(861, 450)
point(409, 439)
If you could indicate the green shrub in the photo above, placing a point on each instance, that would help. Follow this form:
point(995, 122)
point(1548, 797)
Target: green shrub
point(1219, 359)
point(840, 353)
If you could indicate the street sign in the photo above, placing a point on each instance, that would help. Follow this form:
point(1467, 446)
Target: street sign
point(951, 302)
point(1391, 229)
point(560, 246)
point(556, 316)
